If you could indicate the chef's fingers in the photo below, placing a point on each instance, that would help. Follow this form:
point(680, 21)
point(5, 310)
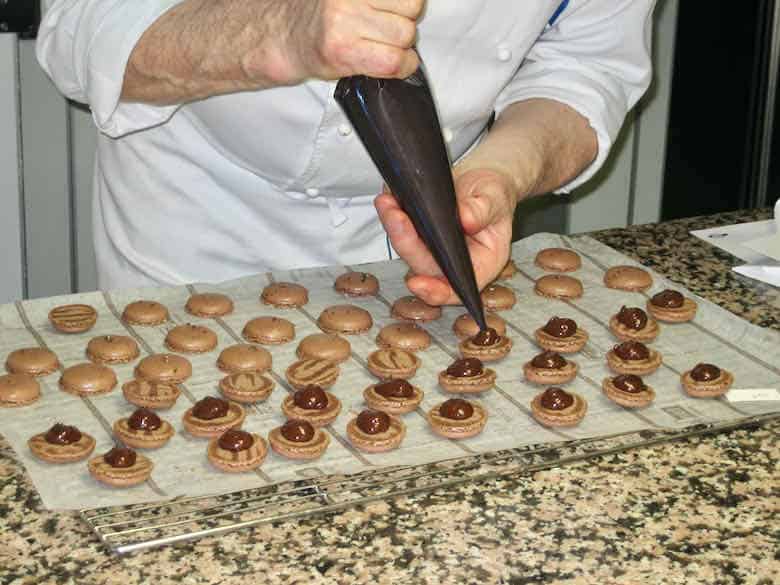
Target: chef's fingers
point(434, 290)
point(388, 28)
point(408, 8)
point(483, 204)
point(375, 59)
point(404, 237)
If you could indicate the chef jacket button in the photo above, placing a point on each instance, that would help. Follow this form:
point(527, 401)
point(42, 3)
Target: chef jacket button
point(345, 129)
point(504, 54)
point(448, 136)
point(311, 192)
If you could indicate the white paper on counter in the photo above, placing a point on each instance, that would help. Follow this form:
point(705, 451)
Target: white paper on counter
point(732, 238)
point(751, 353)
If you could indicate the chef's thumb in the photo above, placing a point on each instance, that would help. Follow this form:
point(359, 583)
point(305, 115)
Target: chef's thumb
point(480, 209)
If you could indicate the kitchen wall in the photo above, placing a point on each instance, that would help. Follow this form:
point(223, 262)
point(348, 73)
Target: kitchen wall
point(47, 147)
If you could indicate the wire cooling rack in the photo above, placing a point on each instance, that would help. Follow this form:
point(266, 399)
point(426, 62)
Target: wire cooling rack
point(130, 528)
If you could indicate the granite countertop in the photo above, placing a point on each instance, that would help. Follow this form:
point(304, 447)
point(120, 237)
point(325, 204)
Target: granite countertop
point(703, 510)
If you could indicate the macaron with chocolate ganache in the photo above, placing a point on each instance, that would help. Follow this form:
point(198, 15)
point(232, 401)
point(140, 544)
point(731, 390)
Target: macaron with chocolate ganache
point(487, 345)
point(237, 451)
point(707, 381)
point(561, 335)
point(312, 404)
point(210, 417)
point(143, 429)
point(121, 467)
point(671, 306)
point(557, 408)
point(395, 396)
point(298, 439)
point(628, 390)
point(633, 357)
point(632, 323)
point(549, 368)
point(467, 375)
point(457, 419)
point(374, 431)
point(465, 326)
point(61, 444)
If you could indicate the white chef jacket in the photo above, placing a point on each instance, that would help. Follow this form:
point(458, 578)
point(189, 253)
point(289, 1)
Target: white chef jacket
point(242, 183)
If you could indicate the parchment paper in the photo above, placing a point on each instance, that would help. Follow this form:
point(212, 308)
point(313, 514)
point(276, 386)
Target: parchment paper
point(181, 467)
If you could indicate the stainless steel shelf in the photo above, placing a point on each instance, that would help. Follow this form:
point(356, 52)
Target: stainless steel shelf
point(131, 528)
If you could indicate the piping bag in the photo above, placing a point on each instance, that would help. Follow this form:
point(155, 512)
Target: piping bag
point(397, 121)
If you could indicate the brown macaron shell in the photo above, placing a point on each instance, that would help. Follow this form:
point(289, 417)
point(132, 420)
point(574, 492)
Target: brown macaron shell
point(357, 284)
point(164, 368)
point(112, 349)
point(138, 473)
point(558, 286)
point(458, 429)
point(628, 278)
point(269, 331)
point(379, 443)
point(324, 346)
point(558, 260)
point(643, 367)
point(303, 373)
point(214, 427)
point(317, 418)
point(627, 399)
point(143, 439)
point(244, 357)
point(88, 379)
point(709, 389)
point(396, 406)
point(246, 387)
point(393, 363)
point(571, 344)
point(145, 313)
point(73, 318)
point(237, 461)
point(408, 336)
point(679, 315)
point(304, 451)
point(17, 390)
point(496, 297)
point(567, 417)
point(209, 305)
point(345, 319)
point(508, 271)
point(647, 334)
point(411, 308)
point(33, 361)
point(154, 395)
point(285, 295)
point(486, 353)
point(465, 326)
point(70, 453)
point(550, 376)
point(189, 338)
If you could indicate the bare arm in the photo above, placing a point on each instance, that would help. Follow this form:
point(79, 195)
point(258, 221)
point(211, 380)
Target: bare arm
point(201, 48)
point(535, 147)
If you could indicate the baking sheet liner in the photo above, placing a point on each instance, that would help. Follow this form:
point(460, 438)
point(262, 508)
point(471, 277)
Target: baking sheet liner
point(751, 353)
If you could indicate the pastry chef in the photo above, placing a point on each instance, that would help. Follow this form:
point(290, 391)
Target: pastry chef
point(222, 152)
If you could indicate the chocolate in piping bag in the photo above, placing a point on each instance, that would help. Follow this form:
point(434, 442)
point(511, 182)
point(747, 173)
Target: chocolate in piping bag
point(397, 121)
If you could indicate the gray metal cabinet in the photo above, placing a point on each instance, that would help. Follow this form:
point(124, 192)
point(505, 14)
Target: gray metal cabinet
point(47, 150)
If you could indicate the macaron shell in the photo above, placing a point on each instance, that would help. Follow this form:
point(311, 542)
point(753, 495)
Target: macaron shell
point(189, 338)
point(508, 271)
point(88, 379)
point(393, 363)
point(345, 319)
point(33, 361)
point(164, 368)
point(407, 336)
point(209, 305)
point(465, 326)
point(269, 330)
point(244, 357)
point(112, 349)
point(73, 318)
point(246, 387)
point(324, 346)
point(357, 284)
point(558, 286)
point(496, 297)
point(17, 390)
point(558, 260)
point(150, 394)
point(285, 295)
point(322, 373)
point(410, 308)
point(145, 313)
point(628, 278)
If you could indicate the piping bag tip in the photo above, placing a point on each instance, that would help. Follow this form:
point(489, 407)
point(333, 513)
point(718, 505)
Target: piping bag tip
point(397, 121)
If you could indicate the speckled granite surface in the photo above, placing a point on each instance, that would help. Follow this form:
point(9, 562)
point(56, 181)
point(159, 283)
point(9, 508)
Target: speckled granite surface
point(705, 510)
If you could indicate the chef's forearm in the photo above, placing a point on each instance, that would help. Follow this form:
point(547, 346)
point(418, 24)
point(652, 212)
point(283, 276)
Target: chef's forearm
point(540, 144)
point(201, 48)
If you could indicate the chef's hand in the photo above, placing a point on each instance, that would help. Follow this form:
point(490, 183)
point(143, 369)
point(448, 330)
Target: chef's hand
point(486, 204)
point(330, 39)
